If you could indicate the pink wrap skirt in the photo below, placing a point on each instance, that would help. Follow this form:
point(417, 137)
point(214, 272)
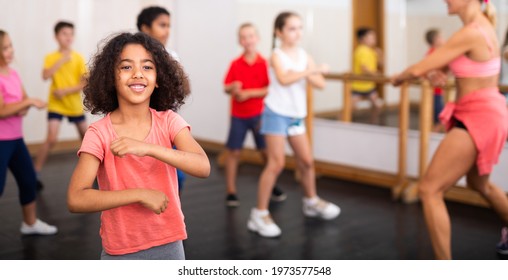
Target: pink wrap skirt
point(485, 116)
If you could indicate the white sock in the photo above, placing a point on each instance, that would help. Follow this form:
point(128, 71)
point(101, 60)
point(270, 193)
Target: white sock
point(261, 213)
point(311, 201)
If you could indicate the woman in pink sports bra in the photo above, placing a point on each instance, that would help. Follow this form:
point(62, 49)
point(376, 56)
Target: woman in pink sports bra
point(477, 122)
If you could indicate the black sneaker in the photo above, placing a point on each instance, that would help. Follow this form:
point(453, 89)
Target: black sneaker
point(39, 186)
point(232, 200)
point(278, 195)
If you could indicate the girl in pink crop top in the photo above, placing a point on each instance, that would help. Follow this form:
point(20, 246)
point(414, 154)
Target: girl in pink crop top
point(477, 122)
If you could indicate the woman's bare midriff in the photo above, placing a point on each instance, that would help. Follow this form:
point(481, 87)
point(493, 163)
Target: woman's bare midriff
point(466, 86)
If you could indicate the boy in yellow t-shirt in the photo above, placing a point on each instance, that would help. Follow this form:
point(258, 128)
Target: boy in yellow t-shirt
point(66, 69)
point(367, 60)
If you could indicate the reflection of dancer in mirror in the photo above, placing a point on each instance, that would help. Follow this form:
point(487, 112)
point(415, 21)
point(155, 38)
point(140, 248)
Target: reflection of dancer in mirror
point(367, 60)
point(477, 122)
point(435, 40)
point(503, 78)
point(283, 118)
point(14, 104)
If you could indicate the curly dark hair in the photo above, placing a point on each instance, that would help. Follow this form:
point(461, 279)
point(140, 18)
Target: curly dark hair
point(100, 94)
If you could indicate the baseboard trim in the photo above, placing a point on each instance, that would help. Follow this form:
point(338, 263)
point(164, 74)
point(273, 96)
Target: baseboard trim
point(60, 147)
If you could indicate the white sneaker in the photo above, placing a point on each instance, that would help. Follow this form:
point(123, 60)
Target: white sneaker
point(39, 227)
point(262, 224)
point(321, 209)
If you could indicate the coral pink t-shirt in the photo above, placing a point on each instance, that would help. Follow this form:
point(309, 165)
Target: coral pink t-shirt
point(133, 228)
point(11, 91)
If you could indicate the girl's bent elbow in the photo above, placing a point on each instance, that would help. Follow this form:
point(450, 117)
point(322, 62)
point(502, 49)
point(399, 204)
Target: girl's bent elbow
point(205, 172)
point(72, 207)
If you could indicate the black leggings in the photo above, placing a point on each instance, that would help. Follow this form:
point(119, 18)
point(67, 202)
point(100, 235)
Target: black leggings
point(14, 155)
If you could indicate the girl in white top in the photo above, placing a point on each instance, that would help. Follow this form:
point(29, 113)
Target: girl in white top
point(289, 99)
point(291, 68)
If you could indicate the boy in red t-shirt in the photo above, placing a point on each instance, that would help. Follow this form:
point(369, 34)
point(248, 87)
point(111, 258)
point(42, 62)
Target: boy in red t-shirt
point(435, 40)
point(247, 83)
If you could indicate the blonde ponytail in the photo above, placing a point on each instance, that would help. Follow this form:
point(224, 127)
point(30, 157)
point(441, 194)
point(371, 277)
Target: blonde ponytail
point(490, 12)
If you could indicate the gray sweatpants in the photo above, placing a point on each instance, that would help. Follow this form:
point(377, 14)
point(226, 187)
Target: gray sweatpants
point(170, 251)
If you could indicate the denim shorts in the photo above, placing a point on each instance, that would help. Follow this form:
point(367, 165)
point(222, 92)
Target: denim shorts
point(275, 124)
point(57, 116)
point(238, 130)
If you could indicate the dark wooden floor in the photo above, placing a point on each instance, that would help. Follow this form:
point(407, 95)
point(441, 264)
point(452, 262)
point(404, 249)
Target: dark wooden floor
point(371, 226)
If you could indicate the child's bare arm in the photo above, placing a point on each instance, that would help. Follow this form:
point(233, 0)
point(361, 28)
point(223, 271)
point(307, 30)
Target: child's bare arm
point(23, 112)
point(59, 93)
point(233, 87)
point(49, 72)
point(251, 93)
point(11, 109)
point(82, 198)
point(316, 79)
point(284, 77)
point(190, 157)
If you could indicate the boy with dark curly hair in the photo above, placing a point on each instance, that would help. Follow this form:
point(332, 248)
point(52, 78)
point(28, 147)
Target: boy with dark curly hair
point(138, 86)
